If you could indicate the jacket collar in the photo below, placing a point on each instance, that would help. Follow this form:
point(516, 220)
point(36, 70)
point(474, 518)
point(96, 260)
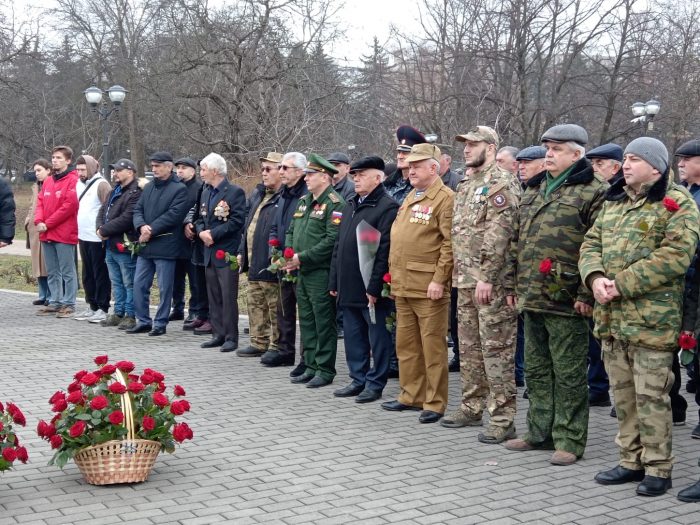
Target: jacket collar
point(536, 180)
point(295, 191)
point(432, 190)
point(581, 173)
point(656, 192)
point(131, 186)
point(59, 176)
point(371, 199)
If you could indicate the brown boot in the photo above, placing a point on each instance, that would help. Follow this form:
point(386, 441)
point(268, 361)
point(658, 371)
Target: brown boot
point(563, 458)
point(519, 445)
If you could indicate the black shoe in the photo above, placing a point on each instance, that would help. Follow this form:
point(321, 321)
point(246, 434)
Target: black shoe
point(428, 416)
point(251, 351)
point(613, 412)
point(393, 373)
point(349, 391)
point(454, 364)
point(341, 334)
point(273, 358)
point(618, 476)
point(298, 370)
point(303, 378)
point(690, 494)
point(526, 394)
point(212, 343)
point(176, 316)
point(188, 325)
point(367, 396)
point(190, 318)
point(654, 486)
point(691, 386)
point(395, 406)
point(519, 382)
point(139, 328)
point(158, 330)
point(39, 302)
point(318, 382)
point(228, 346)
point(599, 401)
point(695, 434)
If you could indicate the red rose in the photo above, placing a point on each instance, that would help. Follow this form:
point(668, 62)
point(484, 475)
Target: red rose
point(148, 423)
point(546, 266)
point(56, 441)
point(117, 388)
point(181, 432)
point(133, 377)
point(220, 254)
point(121, 247)
point(58, 395)
point(22, 454)
point(89, 379)
point(274, 243)
point(116, 417)
point(179, 391)
point(16, 414)
point(135, 388)
point(686, 341)
point(160, 387)
point(79, 375)
point(74, 386)
point(288, 253)
point(387, 278)
point(99, 402)
point(156, 375)
point(77, 429)
point(671, 205)
point(2, 409)
point(125, 366)
point(75, 397)
point(108, 370)
point(147, 378)
point(160, 400)
point(50, 431)
point(9, 454)
point(101, 360)
point(41, 428)
point(59, 406)
point(177, 409)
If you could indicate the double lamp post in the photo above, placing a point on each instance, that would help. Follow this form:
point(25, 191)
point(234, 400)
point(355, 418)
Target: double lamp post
point(93, 95)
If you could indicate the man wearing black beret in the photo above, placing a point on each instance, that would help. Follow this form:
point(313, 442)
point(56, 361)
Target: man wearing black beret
point(366, 334)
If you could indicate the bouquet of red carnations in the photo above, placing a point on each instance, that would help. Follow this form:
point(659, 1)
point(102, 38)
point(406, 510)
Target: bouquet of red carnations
point(10, 449)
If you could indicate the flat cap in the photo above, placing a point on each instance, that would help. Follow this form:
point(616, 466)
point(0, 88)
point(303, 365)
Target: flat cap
point(186, 161)
point(124, 164)
point(531, 153)
point(422, 152)
point(161, 156)
point(566, 133)
point(689, 149)
point(408, 137)
point(479, 134)
point(366, 163)
point(606, 151)
point(318, 163)
point(339, 158)
point(272, 156)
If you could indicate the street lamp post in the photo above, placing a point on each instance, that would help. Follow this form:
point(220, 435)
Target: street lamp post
point(645, 113)
point(93, 95)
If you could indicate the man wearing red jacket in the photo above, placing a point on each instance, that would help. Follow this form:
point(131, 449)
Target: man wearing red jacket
point(56, 220)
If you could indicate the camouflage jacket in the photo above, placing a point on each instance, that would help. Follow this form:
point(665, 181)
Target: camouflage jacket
point(483, 224)
point(646, 249)
point(553, 228)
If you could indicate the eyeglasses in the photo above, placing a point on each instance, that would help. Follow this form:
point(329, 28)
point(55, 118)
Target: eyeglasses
point(285, 168)
point(267, 169)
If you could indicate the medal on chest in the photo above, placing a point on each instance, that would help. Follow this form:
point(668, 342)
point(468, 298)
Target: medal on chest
point(420, 214)
point(300, 211)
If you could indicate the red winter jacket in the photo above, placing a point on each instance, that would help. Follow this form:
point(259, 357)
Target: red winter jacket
point(57, 207)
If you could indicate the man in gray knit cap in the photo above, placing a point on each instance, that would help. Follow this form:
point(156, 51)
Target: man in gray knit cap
point(634, 259)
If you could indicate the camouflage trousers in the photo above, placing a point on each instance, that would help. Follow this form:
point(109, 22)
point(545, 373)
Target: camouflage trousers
point(641, 380)
point(556, 350)
point(486, 354)
point(262, 314)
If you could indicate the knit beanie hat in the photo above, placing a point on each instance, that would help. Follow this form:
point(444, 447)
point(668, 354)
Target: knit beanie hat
point(651, 150)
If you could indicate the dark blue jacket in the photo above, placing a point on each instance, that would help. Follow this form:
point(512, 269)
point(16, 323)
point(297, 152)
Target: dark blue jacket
point(260, 251)
point(7, 212)
point(285, 208)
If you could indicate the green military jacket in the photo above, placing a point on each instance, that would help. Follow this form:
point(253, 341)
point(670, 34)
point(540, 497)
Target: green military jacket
point(646, 248)
point(553, 228)
point(483, 225)
point(314, 228)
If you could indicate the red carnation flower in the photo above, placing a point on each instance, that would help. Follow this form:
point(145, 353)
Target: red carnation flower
point(2, 409)
point(74, 386)
point(77, 429)
point(108, 370)
point(160, 400)
point(99, 402)
point(177, 409)
point(148, 423)
point(686, 341)
point(59, 406)
point(16, 414)
point(9, 454)
point(387, 278)
point(135, 388)
point(22, 454)
point(274, 243)
point(133, 377)
point(160, 387)
point(220, 254)
point(156, 375)
point(56, 441)
point(546, 266)
point(288, 253)
point(79, 375)
point(121, 247)
point(41, 428)
point(89, 379)
point(58, 395)
point(181, 432)
point(101, 360)
point(125, 366)
point(117, 388)
point(671, 205)
point(116, 417)
point(179, 391)
point(147, 378)
point(75, 397)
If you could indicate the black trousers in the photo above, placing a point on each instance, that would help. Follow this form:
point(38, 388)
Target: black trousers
point(198, 304)
point(222, 290)
point(678, 403)
point(96, 283)
point(287, 319)
point(453, 322)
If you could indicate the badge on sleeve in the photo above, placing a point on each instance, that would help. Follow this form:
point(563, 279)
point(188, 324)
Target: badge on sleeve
point(499, 200)
point(336, 217)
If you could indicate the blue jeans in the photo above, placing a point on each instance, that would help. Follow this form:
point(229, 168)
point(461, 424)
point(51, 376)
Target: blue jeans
point(62, 273)
point(44, 292)
point(362, 338)
point(164, 269)
point(122, 267)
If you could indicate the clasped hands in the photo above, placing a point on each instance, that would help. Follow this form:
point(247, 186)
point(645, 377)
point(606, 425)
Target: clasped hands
point(604, 290)
point(145, 233)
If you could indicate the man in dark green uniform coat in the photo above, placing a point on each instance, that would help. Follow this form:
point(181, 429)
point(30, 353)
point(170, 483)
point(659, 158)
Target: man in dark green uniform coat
point(312, 235)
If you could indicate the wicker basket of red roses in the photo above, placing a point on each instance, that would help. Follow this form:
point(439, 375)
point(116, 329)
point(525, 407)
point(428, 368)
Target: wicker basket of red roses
point(114, 423)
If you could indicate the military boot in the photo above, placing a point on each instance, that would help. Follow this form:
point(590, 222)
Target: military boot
point(127, 323)
point(494, 435)
point(460, 418)
point(112, 320)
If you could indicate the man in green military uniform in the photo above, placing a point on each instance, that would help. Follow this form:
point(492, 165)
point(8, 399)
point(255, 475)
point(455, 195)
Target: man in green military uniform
point(555, 213)
point(312, 235)
point(634, 260)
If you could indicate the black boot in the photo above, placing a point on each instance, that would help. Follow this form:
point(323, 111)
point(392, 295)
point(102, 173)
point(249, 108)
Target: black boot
point(618, 476)
point(654, 486)
point(690, 494)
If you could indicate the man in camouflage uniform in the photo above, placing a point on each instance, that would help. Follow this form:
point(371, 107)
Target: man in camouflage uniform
point(634, 260)
point(554, 217)
point(483, 225)
point(312, 235)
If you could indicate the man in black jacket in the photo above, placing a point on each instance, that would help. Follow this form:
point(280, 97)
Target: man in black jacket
point(219, 226)
point(7, 214)
point(115, 222)
point(158, 218)
point(366, 335)
point(294, 187)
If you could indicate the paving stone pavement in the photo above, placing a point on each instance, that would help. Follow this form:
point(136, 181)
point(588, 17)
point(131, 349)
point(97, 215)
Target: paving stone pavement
point(267, 451)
